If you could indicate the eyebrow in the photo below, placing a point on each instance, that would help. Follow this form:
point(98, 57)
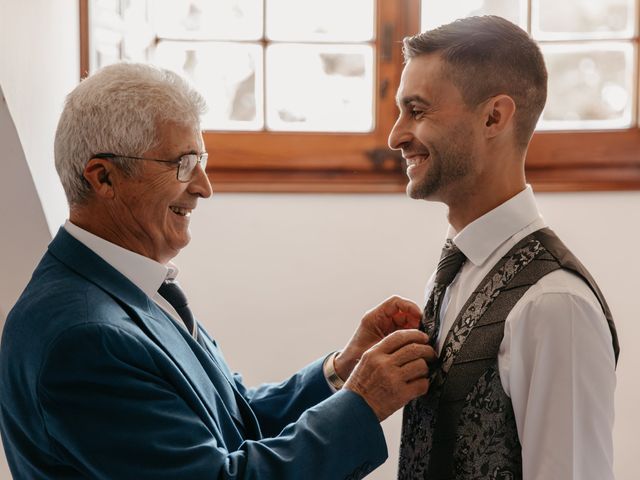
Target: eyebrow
point(405, 101)
point(192, 152)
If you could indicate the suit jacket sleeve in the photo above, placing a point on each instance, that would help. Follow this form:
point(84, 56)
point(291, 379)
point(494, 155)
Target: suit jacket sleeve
point(278, 404)
point(111, 409)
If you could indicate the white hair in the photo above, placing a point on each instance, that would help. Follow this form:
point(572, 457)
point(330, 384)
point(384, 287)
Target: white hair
point(118, 110)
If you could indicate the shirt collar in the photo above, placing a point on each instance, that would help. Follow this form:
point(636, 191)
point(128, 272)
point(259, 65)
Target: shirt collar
point(143, 272)
point(483, 236)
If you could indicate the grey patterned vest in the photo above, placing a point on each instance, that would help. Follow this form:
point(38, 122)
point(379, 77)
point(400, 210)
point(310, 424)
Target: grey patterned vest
point(464, 428)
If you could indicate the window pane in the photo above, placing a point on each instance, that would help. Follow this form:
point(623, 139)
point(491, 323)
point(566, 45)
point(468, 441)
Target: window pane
point(106, 13)
point(228, 75)
point(590, 86)
point(330, 89)
point(574, 19)
point(329, 20)
point(119, 31)
point(208, 20)
point(439, 12)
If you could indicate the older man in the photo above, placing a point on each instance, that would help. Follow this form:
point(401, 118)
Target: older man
point(105, 372)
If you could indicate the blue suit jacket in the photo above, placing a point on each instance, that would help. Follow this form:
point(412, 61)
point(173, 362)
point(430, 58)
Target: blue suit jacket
point(98, 382)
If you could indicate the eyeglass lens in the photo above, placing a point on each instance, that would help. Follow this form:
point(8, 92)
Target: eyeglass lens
point(188, 164)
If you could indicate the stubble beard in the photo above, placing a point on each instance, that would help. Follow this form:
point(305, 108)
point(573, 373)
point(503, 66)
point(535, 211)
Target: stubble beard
point(447, 169)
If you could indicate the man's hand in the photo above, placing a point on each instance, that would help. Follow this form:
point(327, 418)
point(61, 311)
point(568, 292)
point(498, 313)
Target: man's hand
point(393, 371)
point(393, 314)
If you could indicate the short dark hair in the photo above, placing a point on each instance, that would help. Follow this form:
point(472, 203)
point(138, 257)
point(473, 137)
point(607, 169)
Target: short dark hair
point(486, 56)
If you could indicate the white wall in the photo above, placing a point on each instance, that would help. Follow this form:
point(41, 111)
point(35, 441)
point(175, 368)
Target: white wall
point(39, 65)
point(282, 279)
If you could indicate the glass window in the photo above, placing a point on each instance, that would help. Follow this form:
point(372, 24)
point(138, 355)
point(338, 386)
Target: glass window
point(439, 12)
point(314, 21)
point(301, 92)
point(233, 93)
point(588, 47)
point(590, 86)
point(582, 19)
point(207, 20)
point(330, 90)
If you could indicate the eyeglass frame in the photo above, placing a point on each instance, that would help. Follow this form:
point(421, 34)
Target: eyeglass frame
point(202, 160)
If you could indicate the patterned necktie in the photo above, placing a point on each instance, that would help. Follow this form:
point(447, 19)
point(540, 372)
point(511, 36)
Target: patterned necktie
point(173, 294)
point(449, 265)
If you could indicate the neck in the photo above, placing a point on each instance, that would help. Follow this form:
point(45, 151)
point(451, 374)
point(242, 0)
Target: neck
point(103, 226)
point(475, 206)
point(484, 193)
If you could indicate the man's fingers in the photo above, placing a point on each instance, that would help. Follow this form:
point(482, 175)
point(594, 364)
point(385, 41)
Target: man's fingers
point(393, 371)
point(414, 370)
point(413, 351)
point(399, 339)
point(404, 312)
point(395, 313)
point(404, 319)
point(419, 387)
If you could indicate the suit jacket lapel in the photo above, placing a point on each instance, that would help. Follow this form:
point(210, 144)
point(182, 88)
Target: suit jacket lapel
point(212, 386)
point(250, 422)
point(194, 363)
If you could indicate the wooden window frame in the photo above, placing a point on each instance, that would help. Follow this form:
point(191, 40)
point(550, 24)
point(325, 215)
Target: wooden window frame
point(349, 163)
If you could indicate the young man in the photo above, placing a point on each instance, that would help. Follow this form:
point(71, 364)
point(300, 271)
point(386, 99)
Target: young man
point(527, 347)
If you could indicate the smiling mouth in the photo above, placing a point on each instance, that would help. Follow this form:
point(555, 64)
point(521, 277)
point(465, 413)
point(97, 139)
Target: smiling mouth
point(416, 159)
point(183, 212)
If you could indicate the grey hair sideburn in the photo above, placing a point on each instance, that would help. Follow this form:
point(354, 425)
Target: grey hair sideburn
point(118, 110)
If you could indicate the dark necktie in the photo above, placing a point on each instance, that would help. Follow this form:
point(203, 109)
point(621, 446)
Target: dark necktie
point(173, 294)
point(449, 265)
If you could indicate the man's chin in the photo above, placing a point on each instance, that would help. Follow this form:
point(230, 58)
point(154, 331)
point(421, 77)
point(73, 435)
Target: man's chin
point(416, 191)
point(420, 191)
point(177, 243)
point(183, 241)
point(412, 192)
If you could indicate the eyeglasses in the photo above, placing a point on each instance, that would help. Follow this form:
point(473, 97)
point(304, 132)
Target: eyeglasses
point(186, 163)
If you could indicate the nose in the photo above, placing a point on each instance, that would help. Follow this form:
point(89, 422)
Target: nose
point(399, 135)
point(199, 183)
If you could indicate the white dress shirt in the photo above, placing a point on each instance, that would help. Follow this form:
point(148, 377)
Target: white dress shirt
point(143, 272)
point(556, 359)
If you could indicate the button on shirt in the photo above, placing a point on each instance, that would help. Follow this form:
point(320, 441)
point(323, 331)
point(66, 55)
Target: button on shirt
point(556, 359)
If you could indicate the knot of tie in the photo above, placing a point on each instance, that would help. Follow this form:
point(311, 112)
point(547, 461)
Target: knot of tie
point(450, 263)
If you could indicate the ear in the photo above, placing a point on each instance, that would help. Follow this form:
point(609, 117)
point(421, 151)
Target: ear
point(99, 173)
point(498, 115)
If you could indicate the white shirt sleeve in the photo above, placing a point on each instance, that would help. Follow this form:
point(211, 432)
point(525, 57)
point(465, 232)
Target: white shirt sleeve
point(557, 364)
